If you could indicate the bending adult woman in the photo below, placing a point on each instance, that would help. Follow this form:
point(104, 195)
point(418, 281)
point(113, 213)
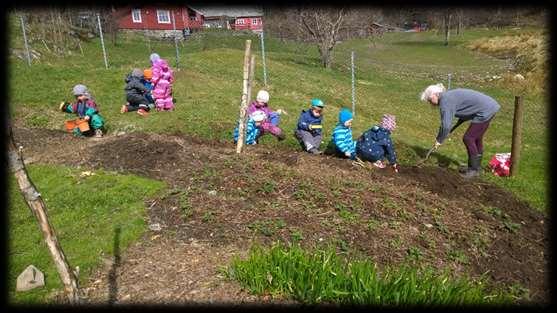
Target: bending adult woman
point(466, 105)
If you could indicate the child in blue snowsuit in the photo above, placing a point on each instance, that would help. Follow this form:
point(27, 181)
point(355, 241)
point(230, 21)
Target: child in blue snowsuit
point(252, 128)
point(375, 144)
point(84, 108)
point(342, 136)
point(309, 127)
point(146, 80)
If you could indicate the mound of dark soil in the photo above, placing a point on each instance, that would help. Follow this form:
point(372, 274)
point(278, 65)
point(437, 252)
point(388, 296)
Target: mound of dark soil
point(427, 215)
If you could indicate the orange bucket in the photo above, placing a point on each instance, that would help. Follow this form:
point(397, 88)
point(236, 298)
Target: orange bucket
point(78, 122)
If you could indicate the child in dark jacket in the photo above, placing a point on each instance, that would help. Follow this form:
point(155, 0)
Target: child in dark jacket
point(135, 94)
point(309, 127)
point(85, 108)
point(375, 144)
point(342, 135)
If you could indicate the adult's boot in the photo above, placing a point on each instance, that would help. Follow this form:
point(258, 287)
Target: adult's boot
point(475, 167)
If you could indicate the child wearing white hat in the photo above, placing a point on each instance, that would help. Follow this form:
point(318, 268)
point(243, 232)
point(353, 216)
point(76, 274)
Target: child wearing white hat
point(270, 124)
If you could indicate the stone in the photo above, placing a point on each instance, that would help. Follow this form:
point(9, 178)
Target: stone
point(213, 193)
point(29, 279)
point(155, 227)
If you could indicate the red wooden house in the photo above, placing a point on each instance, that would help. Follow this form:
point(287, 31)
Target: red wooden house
point(232, 17)
point(159, 17)
point(254, 23)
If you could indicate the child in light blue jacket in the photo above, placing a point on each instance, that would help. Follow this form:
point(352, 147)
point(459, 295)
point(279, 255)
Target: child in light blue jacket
point(252, 128)
point(342, 135)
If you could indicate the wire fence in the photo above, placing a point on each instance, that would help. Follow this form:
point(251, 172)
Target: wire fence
point(354, 77)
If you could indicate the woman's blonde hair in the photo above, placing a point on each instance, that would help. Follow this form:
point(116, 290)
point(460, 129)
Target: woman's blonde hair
point(430, 90)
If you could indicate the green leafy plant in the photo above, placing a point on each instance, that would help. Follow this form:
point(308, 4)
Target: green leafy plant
point(321, 276)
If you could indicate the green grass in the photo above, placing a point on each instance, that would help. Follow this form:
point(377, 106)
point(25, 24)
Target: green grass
point(323, 277)
point(390, 77)
point(85, 213)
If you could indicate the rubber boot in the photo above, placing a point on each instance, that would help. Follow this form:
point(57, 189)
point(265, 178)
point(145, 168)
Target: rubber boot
point(463, 169)
point(475, 166)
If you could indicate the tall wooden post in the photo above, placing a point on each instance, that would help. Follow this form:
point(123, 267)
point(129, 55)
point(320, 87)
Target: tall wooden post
point(244, 102)
point(37, 206)
point(251, 74)
point(517, 135)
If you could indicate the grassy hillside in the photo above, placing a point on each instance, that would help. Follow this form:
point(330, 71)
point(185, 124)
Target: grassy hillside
point(391, 73)
point(105, 207)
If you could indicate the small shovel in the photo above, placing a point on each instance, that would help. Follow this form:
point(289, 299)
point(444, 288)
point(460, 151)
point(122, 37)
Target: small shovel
point(421, 162)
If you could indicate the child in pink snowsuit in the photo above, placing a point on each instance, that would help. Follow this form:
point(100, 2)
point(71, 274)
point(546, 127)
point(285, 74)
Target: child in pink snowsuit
point(269, 125)
point(162, 80)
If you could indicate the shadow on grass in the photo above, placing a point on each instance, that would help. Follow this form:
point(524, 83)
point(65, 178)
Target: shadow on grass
point(440, 160)
point(112, 276)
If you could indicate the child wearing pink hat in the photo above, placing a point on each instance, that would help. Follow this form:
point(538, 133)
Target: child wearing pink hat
point(375, 144)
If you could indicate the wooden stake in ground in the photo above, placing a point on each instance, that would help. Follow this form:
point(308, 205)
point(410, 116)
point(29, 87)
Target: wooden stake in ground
point(251, 74)
point(517, 135)
point(244, 103)
point(37, 206)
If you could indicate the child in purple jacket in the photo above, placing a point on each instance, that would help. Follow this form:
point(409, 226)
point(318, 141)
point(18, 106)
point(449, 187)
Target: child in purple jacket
point(270, 125)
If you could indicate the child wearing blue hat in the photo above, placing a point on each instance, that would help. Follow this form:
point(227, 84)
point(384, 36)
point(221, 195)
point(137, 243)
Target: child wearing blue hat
point(342, 135)
point(308, 131)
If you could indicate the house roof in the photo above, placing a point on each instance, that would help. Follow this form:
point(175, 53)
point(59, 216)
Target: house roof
point(231, 11)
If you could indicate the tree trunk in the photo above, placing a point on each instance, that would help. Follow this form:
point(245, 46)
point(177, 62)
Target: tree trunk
point(38, 208)
point(447, 28)
point(325, 56)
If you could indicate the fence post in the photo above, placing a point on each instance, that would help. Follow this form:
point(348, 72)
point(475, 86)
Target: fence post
point(102, 40)
point(517, 135)
point(35, 202)
point(263, 58)
point(25, 41)
point(251, 76)
point(353, 86)
point(244, 102)
point(449, 84)
point(175, 38)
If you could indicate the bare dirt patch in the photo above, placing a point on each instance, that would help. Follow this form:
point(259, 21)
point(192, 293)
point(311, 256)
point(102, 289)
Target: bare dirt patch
point(428, 216)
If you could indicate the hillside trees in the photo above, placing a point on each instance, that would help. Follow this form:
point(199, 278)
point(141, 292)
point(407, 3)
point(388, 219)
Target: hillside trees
point(324, 26)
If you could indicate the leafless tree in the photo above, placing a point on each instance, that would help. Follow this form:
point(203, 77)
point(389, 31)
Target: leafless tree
point(322, 25)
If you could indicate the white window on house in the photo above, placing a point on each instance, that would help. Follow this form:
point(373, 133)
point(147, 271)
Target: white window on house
point(254, 21)
point(163, 16)
point(240, 21)
point(136, 15)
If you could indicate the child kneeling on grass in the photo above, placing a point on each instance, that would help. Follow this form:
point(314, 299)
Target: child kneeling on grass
point(270, 124)
point(147, 76)
point(309, 127)
point(252, 128)
point(375, 144)
point(85, 108)
point(136, 94)
point(342, 136)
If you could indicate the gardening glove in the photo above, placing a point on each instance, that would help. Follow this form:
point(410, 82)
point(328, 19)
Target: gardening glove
point(315, 126)
point(348, 154)
point(63, 106)
point(87, 117)
point(435, 146)
point(395, 167)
